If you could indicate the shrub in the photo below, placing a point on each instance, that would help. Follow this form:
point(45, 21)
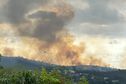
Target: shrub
point(83, 80)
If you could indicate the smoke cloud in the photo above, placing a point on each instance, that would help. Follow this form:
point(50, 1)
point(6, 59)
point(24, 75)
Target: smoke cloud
point(41, 30)
point(38, 30)
point(16, 9)
point(48, 18)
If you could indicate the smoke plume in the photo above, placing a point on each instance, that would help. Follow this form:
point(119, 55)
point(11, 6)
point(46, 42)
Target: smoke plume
point(36, 30)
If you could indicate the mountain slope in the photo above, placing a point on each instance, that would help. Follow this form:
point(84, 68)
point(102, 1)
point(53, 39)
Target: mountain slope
point(8, 62)
point(95, 74)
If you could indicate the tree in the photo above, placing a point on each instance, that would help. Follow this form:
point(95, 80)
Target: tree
point(47, 78)
point(83, 80)
point(0, 57)
point(1, 67)
point(25, 77)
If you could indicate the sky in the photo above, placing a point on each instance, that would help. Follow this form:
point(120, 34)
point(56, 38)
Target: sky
point(100, 24)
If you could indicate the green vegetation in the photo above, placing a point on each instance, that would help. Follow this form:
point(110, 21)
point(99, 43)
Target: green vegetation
point(36, 77)
point(16, 71)
point(83, 80)
point(1, 67)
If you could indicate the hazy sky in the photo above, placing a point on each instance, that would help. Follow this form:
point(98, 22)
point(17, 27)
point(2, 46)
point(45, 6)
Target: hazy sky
point(101, 24)
point(100, 17)
point(91, 17)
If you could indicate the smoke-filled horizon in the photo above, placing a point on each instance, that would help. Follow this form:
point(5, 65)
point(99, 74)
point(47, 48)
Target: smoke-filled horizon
point(65, 32)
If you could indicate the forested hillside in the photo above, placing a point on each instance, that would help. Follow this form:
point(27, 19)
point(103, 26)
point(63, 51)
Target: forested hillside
point(22, 71)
